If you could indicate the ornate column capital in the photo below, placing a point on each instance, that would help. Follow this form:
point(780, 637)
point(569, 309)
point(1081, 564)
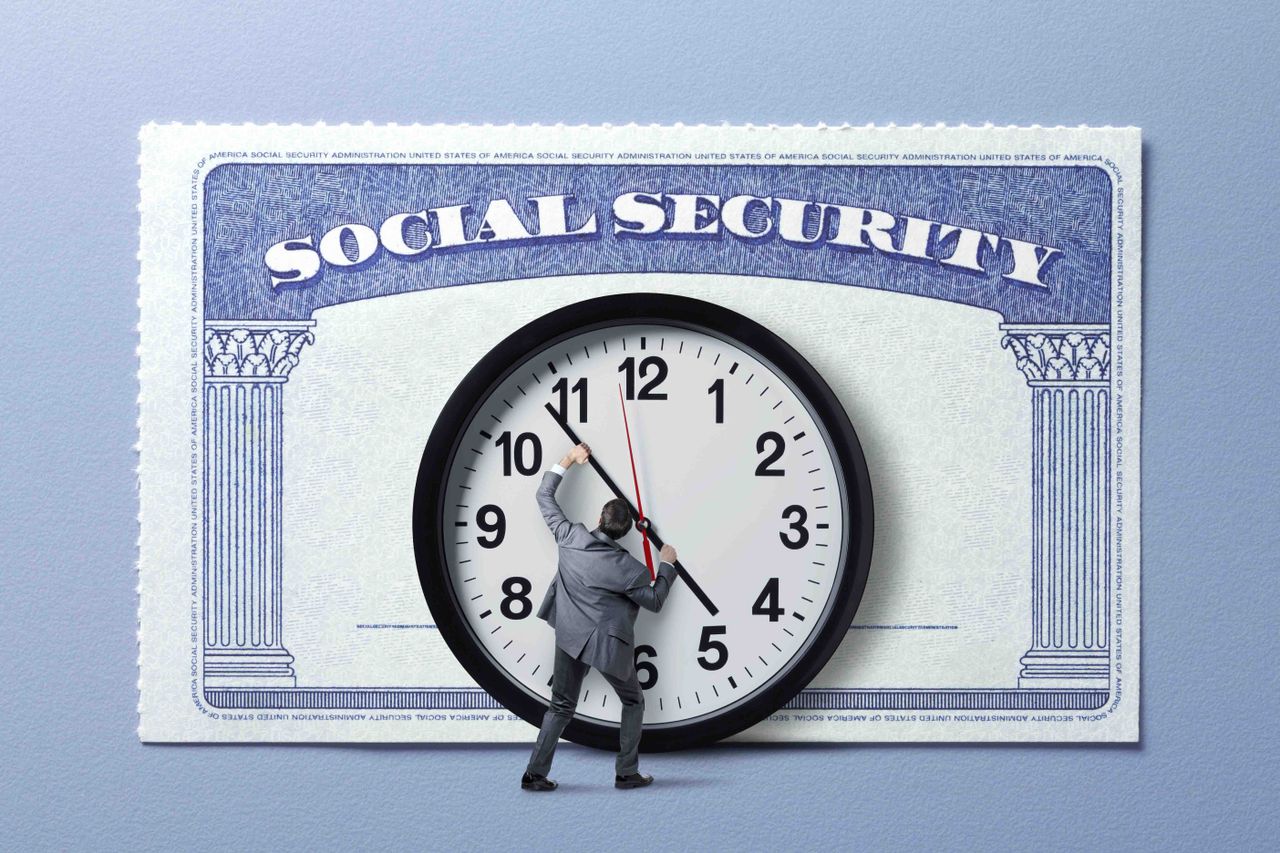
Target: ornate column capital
point(261, 350)
point(1060, 354)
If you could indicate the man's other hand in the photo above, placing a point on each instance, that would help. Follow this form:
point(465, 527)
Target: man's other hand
point(667, 554)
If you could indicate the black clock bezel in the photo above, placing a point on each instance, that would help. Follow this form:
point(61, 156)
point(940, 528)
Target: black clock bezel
point(630, 309)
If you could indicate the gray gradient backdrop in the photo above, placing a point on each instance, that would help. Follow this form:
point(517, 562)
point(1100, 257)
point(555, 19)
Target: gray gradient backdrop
point(74, 87)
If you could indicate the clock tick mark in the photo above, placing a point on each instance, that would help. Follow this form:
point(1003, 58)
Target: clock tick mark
point(807, 452)
point(478, 451)
point(495, 417)
point(469, 468)
point(485, 434)
point(522, 657)
point(463, 542)
point(496, 630)
point(681, 350)
point(817, 583)
point(776, 646)
point(819, 544)
point(662, 344)
point(469, 580)
point(765, 391)
point(797, 615)
point(644, 343)
point(815, 470)
point(468, 560)
point(605, 344)
point(604, 699)
point(696, 696)
point(659, 703)
point(586, 352)
point(806, 598)
point(699, 355)
point(788, 632)
point(509, 642)
point(459, 524)
point(716, 689)
point(717, 361)
point(732, 370)
point(569, 359)
point(552, 367)
point(749, 675)
point(733, 683)
point(679, 703)
point(820, 489)
point(749, 378)
point(509, 406)
point(776, 405)
point(486, 614)
point(798, 436)
point(816, 563)
point(520, 388)
point(474, 597)
point(790, 419)
point(535, 378)
point(822, 525)
point(762, 660)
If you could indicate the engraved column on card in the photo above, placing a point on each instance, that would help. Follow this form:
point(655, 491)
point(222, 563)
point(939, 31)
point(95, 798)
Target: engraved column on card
point(246, 366)
point(1069, 371)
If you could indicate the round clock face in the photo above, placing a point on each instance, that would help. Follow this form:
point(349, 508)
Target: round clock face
point(745, 463)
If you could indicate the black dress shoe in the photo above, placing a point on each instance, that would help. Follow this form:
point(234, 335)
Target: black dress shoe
point(632, 780)
point(534, 782)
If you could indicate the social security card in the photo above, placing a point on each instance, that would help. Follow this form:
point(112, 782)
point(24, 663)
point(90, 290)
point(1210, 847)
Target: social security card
point(312, 298)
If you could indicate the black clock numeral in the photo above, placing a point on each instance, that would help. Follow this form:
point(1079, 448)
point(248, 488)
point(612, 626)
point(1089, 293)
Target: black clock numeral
point(646, 671)
point(562, 390)
point(515, 453)
point(802, 532)
point(767, 603)
point(706, 644)
point(659, 366)
point(515, 602)
point(717, 388)
point(491, 519)
point(779, 444)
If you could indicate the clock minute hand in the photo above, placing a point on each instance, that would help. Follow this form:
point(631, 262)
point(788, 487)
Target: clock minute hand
point(653, 534)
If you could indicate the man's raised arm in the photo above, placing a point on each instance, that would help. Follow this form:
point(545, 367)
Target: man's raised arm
point(547, 505)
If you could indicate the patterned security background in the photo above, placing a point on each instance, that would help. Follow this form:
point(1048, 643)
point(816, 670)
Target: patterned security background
point(249, 207)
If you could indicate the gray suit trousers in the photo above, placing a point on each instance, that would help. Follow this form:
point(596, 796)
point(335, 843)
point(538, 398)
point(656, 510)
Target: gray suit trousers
point(566, 682)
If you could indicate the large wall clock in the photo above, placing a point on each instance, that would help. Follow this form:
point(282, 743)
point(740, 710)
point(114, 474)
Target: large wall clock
point(746, 463)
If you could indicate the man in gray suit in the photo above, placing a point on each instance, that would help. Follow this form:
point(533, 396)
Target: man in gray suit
point(592, 604)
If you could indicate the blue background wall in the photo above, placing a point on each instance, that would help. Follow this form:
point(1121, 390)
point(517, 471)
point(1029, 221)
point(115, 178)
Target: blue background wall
point(1202, 82)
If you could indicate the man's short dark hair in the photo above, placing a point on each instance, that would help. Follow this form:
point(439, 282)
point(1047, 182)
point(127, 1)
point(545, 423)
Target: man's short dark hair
point(615, 519)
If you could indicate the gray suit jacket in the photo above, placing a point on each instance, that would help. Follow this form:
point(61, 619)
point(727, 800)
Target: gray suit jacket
point(598, 591)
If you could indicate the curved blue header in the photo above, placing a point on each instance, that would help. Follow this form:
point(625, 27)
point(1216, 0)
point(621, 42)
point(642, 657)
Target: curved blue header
point(251, 208)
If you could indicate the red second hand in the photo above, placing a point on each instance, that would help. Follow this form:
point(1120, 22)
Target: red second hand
point(635, 479)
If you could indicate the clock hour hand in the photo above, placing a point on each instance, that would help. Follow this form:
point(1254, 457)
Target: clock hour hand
point(652, 534)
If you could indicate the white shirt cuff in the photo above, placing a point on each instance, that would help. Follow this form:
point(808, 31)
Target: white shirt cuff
point(557, 469)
